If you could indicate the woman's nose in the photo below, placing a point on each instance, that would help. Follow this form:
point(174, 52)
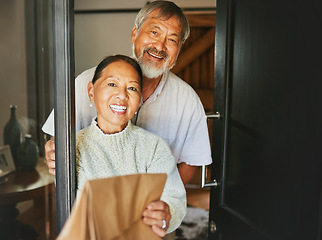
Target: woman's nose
point(122, 94)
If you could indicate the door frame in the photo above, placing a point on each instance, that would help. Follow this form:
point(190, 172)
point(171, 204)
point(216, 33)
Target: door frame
point(64, 105)
point(222, 47)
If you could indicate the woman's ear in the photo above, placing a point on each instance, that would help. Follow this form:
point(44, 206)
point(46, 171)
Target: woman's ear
point(90, 90)
point(133, 34)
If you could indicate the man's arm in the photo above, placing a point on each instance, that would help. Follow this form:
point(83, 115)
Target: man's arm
point(186, 172)
point(50, 155)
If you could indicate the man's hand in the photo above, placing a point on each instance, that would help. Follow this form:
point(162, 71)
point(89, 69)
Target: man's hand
point(157, 216)
point(50, 155)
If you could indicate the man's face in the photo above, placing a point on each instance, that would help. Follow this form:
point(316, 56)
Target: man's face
point(156, 44)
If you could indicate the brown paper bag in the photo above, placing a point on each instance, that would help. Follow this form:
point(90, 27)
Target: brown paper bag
point(111, 208)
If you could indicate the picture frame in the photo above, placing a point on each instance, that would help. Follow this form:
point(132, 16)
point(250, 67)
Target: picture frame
point(7, 164)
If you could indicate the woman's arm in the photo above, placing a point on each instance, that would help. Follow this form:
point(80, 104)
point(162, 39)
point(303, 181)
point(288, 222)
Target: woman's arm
point(157, 216)
point(174, 194)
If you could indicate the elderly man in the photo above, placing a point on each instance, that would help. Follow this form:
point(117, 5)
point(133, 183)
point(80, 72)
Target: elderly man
point(170, 107)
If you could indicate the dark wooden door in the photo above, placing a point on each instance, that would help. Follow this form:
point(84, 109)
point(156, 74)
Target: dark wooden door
point(267, 146)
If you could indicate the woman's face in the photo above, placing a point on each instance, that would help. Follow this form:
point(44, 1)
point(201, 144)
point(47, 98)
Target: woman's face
point(116, 95)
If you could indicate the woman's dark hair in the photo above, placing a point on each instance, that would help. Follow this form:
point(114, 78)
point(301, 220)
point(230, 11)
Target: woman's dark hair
point(117, 58)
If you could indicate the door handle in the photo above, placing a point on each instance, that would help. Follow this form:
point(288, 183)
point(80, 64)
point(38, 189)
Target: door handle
point(204, 183)
point(213, 115)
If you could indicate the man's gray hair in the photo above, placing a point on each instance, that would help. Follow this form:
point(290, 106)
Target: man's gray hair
point(167, 10)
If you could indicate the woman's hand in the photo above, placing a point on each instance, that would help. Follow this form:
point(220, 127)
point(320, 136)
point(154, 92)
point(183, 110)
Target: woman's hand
point(50, 155)
point(157, 216)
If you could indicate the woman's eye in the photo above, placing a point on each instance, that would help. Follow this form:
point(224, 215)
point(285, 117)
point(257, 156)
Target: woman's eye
point(133, 89)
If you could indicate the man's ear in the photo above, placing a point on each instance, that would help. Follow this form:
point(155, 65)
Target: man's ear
point(90, 90)
point(133, 34)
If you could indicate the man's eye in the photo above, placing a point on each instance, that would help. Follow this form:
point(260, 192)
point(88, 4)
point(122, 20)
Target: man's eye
point(111, 84)
point(154, 32)
point(173, 40)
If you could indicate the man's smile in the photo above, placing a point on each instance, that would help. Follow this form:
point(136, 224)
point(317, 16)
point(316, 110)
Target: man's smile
point(156, 54)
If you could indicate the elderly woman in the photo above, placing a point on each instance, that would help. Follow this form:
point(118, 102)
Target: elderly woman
point(113, 146)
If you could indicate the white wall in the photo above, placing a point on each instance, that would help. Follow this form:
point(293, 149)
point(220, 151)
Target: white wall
point(13, 74)
point(102, 34)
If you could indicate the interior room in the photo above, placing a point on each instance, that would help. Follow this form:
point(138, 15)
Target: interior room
point(255, 66)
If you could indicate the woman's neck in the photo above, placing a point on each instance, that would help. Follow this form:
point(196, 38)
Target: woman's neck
point(111, 129)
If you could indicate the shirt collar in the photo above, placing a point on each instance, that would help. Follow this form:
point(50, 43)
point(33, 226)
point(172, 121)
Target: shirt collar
point(159, 88)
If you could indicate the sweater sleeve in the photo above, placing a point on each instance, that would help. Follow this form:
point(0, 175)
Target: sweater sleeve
point(80, 170)
point(174, 193)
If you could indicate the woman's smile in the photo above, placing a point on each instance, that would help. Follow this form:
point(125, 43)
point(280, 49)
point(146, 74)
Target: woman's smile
point(118, 109)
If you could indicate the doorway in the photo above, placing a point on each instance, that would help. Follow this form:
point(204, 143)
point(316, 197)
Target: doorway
point(268, 160)
point(83, 19)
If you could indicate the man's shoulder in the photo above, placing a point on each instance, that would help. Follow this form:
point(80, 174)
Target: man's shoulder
point(176, 84)
point(89, 73)
point(174, 79)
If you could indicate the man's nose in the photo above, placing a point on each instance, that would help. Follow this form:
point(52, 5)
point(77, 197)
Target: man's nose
point(160, 44)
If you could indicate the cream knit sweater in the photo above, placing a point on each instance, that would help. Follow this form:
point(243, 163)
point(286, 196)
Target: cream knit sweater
point(132, 151)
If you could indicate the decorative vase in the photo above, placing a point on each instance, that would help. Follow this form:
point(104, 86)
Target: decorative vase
point(28, 154)
point(12, 134)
